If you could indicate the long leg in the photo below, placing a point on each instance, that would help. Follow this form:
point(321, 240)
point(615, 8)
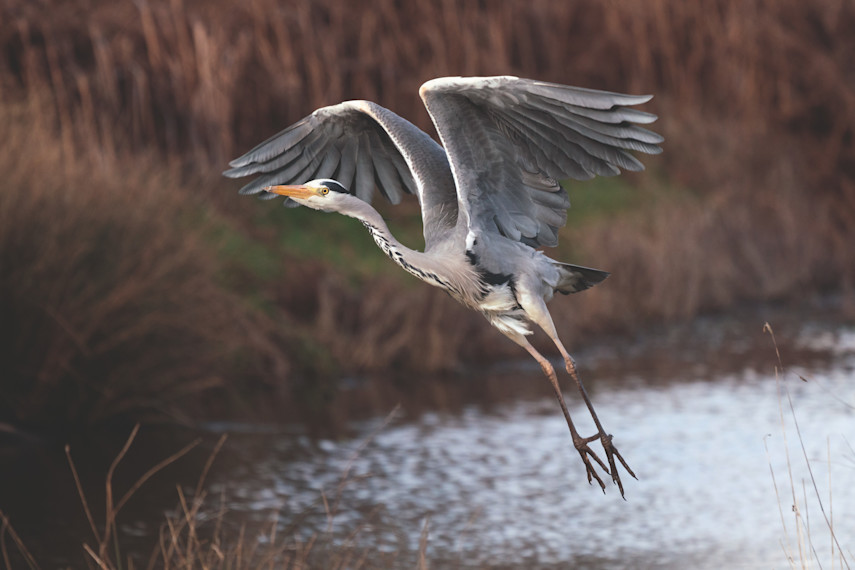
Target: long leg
point(581, 443)
point(536, 310)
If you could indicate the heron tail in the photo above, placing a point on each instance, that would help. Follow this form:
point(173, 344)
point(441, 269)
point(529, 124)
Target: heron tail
point(575, 278)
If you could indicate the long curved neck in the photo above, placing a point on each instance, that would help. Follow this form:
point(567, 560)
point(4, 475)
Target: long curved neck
point(422, 265)
point(376, 226)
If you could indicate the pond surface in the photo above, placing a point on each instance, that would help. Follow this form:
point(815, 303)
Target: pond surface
point(487, 475)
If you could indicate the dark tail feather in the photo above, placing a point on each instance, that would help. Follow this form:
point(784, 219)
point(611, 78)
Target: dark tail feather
point(575, 278)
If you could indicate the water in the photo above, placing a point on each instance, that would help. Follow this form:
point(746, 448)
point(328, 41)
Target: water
point(493, 480)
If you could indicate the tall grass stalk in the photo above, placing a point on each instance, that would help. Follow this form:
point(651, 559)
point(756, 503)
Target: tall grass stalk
point(195, 534)
point(804, 541)
point(6, 528)
point(110, 535)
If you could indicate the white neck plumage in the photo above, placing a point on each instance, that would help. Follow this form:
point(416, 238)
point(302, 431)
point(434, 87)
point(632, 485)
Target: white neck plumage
point(414, 262)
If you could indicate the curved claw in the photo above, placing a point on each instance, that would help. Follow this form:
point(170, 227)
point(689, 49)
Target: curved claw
point(611, 452)
point(587, 453)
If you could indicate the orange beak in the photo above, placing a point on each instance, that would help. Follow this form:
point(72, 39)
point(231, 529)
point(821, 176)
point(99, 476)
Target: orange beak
point(295, 191)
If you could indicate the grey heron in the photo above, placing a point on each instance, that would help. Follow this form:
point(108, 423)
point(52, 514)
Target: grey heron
point(489, 195)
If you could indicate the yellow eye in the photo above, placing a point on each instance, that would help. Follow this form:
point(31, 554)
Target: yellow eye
point(324, 190)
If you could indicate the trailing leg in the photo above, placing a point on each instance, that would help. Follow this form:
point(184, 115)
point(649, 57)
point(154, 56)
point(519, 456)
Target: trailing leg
point(579, 442)
point(536, 310)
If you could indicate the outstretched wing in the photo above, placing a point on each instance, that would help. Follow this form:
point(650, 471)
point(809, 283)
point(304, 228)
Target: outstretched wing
point(363, 146)
point(510, 140)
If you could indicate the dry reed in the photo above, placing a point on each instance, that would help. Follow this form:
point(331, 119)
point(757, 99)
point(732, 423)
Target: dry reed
point(807, 552)
point(109, 297)
point(210, 78)
point(757, 106)
point(198, 533)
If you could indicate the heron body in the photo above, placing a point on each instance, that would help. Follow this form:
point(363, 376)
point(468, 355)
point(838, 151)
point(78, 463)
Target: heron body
point(489, 195)
point(459, 271)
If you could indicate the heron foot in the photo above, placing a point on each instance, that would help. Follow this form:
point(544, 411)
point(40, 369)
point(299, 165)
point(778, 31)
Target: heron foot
point(581, 445)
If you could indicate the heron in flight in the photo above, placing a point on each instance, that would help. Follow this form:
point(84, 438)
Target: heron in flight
point(489, 196)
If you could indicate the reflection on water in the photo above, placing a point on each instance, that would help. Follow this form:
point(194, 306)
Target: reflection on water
point(496, 482)
point(507, 487)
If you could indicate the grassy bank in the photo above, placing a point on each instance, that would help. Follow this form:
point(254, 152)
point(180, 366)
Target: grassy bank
point(134, 281)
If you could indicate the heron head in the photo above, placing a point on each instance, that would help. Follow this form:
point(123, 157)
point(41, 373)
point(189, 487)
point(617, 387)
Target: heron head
point(323, 194)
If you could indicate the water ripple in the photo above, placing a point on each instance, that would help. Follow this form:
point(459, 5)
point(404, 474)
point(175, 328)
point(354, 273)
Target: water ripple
point(507, 488)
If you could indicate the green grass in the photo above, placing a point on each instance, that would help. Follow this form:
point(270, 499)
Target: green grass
point(250, 254)
point(598, 198)
point(615, 196)
point(340, 241)
point(613, 201)
point(301, 234)
point(295, 235)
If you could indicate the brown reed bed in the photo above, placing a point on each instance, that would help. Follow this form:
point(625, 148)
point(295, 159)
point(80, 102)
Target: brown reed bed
point(110, 295)
point(757, 99)
point(207, 79)
point(148, 98)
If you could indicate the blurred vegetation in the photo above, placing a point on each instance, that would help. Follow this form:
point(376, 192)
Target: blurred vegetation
point(133, 279)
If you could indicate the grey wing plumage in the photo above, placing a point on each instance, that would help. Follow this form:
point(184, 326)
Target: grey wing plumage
point(363, 146)
point(510, 140)
point(339, 142)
